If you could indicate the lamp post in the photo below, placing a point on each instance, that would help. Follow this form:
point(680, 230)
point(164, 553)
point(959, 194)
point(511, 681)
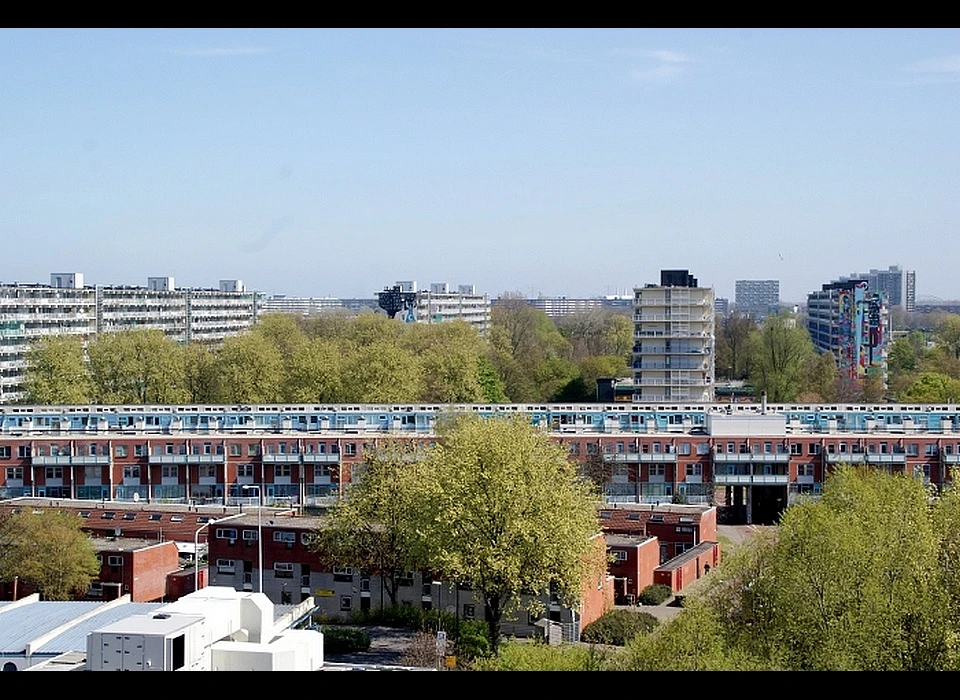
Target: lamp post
point(196, 548)
point(248, 487)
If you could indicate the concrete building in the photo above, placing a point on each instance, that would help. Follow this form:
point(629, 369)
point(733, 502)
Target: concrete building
point(721, 306)
point(673, 352)
point(850, 320)
point(757, 298)
point(438, 304)
point(898, 285)
point(557, 307)
point(66, 306)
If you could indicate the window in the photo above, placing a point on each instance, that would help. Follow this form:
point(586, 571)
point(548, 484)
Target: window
point(321, 471)
point(913, 449)
point(343, 574)
point(84, 513)
point(350, 449)
point(129, 516)
point(120, 450)
point(234, 449)
point(731, 447)
point(321, 448)
point(249, 535)
point(208, 471)
point(108, 516)
point(684, 448)
point(284, 536)
point(703, 448)
point(619, 554)
point(593, 448)
point(168, 448)
point(95, 590)
point(176, 518)
point(139, 450)
point(694, 470)
point(253, 450)
point(226, 566)
point(574, 448)
point(405, 579)
point(605, 515)
point(283, 570)
point(796, 448)
point(685, 529)
point(14, 473)
point(656, 470)
point(346, 602)
point(207, 448)
point(5, 452)
point(131, 472)
point(469, 611)
point(169, 471)
point(767, 447)
point(114, 560)
point(282, 470)
point(930, 450)
point(619, 448)
point(156, 516)
point(306, 538)
point(23, 451)
point(226, 533)
point(245, 470)
point(813, 449)
point(54, 472)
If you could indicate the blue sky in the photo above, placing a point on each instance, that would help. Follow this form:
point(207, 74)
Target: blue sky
point(576, 162)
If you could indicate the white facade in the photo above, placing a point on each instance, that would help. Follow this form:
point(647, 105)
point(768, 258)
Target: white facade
point(29, 312)
point(673, 352)
point(440, 305)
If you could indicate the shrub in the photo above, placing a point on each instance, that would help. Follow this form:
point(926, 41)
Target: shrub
point(655, 594)
point(618, 627)
point(344, 640)
point(471, 641)
point(537, 656)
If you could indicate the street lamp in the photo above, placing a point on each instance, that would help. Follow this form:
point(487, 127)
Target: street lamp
point(196, 548)
point(248, 487)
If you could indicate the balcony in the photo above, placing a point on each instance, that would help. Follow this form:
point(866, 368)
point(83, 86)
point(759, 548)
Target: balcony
point(846, 457)
point(950, 459)
point(751, 479)
point(886, 459)
point(206, 459)
point(168, 459)
point(61, 460)
point(656, 457)
point(281, 459)
point(752, 457)
point(314, 458)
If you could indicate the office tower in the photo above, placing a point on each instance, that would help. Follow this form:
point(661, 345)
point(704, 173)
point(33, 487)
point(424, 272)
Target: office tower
point(757, 298)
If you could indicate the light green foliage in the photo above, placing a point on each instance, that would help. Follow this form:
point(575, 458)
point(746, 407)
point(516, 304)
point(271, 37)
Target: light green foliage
point(948, 335)
point(137, 367)
point(376, 526)
point(504, 509)
point(56, 373)
point(314, 373)
point(200, 373)
point(250, 370)
point(449, 355)
point(933, 387)
point(491, 385)
point(48, 550)
point(536, 656)
point(778, 353)
point(382, 372)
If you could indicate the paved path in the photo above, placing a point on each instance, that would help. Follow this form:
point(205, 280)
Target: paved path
point(387, 647)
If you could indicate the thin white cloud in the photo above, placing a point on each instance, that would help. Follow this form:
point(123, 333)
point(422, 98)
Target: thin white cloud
point(667, 64)
point(223, 51)
point(943, 64)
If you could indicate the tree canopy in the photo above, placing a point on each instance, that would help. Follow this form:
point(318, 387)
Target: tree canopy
point(49, 551)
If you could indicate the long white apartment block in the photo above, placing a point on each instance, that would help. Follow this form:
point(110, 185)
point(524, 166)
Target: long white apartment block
point(69, 307)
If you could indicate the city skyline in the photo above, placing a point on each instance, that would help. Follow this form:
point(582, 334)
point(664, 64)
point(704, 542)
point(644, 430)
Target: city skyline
point(555, 162)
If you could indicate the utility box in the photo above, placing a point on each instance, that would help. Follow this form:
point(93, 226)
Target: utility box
point(158, 642)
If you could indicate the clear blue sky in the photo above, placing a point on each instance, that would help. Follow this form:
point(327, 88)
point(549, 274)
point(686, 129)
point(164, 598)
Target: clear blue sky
point(576, 162)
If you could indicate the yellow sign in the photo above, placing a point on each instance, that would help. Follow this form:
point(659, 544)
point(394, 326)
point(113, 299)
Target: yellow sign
point(451, 662)
point(323, 593)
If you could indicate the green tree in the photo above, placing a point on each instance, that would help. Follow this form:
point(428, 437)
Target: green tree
point(449, 355)
point(933, 387)
point(137, 367)
point(315, 373)
point(733, 354)
point(778, 353)
point(200, 373)
point(948, 335)
point(382, 372)
point(505, 510)
point(56, 372)
point(375, 526)
point(48, 550)
point(249, 370)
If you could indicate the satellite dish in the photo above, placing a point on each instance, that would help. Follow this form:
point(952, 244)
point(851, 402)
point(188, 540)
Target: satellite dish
point(136, 497)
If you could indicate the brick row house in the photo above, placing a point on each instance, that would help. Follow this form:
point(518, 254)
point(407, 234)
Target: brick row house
point(751, 460)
